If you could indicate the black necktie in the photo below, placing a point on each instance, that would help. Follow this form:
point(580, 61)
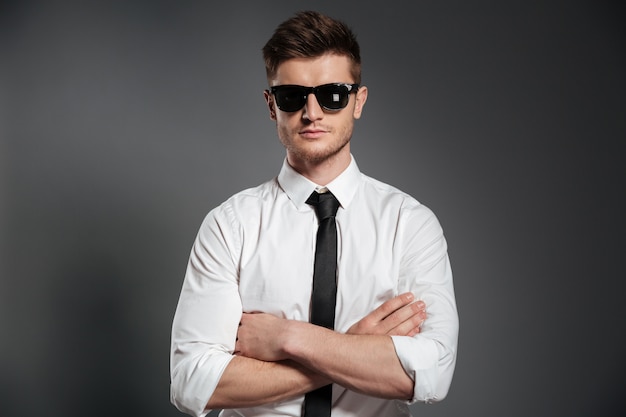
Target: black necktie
point(318, 403)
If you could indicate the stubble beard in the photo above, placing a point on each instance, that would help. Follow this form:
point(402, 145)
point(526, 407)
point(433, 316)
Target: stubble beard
point(314, 155)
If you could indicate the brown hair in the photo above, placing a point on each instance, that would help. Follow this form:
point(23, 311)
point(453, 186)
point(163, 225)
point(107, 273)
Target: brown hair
point(311, 34)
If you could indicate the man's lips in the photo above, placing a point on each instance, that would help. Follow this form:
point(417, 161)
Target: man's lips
point(313, 133)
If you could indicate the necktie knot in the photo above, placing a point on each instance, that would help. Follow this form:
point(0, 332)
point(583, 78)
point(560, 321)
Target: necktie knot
point(325, 204)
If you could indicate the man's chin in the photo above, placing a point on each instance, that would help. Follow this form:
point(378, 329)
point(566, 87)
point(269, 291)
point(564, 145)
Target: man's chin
point(317, 155)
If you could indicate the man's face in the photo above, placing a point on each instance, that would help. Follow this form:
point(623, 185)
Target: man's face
point(313, 135)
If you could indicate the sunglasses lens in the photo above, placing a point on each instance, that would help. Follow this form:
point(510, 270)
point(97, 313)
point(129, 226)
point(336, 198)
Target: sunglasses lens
point(333, 97)
point(290, 98)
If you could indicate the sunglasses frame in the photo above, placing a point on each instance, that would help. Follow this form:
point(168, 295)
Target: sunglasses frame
point(305, 91)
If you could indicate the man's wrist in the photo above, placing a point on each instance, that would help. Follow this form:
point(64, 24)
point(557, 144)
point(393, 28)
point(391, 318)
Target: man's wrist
point(292, 339)
point(298, 339)
point(303, 340)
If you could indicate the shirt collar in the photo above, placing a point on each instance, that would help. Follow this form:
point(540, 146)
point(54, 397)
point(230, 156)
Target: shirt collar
point(298, 188)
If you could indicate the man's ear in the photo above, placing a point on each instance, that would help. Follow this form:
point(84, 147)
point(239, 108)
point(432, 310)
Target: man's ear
point(271, 105)
point(361, 98)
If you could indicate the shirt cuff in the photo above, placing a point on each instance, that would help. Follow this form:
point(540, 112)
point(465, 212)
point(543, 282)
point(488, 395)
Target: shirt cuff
point(191, 388)
point(420, 359)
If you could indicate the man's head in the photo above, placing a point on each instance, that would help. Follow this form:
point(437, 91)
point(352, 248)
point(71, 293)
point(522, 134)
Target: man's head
point(308, 35)
point(314, 71)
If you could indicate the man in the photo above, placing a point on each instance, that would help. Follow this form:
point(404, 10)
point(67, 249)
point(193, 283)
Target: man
point(241, 338)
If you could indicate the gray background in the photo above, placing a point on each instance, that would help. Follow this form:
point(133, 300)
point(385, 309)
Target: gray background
point(123, 123)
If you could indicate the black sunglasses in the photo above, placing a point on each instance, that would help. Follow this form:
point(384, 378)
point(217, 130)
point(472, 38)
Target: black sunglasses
point(333, 96)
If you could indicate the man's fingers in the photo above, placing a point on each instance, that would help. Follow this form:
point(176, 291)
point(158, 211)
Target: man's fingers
point(409, 327)
point(412, 333)
point(390, 306)
point(399, 316)
point(405, 320)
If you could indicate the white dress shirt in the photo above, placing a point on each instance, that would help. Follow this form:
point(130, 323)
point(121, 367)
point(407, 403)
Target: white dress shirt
point(255, 253)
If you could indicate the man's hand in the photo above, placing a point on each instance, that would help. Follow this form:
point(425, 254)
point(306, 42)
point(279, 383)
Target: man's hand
point(260, 336)
point(399, 316)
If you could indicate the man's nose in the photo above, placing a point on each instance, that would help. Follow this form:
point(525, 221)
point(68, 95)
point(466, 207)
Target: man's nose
point(312, 109)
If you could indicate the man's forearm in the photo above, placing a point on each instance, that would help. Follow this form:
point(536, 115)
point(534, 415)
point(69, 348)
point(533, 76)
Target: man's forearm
point(363, 363)
point(364, 360)
point(248, 382)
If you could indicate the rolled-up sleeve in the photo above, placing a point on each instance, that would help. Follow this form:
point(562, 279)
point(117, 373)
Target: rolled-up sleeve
point(429, 358)
point(207, 315)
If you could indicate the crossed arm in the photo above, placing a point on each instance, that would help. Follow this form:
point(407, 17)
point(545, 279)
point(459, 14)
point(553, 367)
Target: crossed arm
point(277, 359)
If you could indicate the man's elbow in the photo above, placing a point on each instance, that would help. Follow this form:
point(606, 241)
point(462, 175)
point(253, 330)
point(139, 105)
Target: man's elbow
point(188, 393)
point(440, 394)
point(435, 389)
point(183, 404)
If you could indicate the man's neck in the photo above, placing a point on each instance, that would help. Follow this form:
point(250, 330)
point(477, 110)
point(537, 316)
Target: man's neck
point(323, 172)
